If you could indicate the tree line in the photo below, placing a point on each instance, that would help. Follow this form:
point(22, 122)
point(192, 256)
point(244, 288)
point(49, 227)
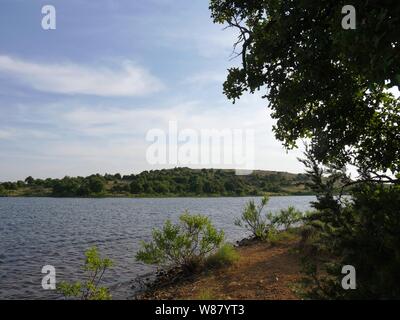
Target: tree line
point(166, 182)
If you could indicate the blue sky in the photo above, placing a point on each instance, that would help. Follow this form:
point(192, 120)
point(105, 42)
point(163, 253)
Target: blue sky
point(80, 99)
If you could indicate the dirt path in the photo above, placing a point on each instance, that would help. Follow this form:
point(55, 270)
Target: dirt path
point(262, 272)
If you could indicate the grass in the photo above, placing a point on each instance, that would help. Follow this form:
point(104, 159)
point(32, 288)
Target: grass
point(206, 294)
point(283, 236)
point(226, 255)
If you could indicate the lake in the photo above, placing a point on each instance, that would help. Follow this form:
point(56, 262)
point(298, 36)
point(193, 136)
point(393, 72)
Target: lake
point(50, 231)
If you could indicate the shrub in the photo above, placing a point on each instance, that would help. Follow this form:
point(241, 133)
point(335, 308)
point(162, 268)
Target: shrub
point(362, 231)
point(282, 237)
point(286, 218)
point(95, 266)
point(265, 227)
point(253, 220)
point(226, 255)
point(185, 245)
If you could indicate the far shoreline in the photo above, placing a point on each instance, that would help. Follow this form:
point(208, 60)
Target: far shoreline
point(157, 197)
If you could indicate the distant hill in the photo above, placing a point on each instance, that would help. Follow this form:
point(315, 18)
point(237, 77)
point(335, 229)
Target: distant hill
point(177, 182)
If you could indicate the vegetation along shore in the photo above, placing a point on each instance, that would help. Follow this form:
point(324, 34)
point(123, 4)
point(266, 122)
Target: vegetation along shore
point(195, 262)
point(178, 182)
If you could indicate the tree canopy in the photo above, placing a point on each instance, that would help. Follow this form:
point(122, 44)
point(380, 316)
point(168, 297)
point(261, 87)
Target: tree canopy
point(166, 182)
point(322, 82)
point(331, 86)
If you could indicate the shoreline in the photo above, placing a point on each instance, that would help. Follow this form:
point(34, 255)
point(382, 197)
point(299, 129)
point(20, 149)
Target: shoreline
point(162, 197)
point(263, 272)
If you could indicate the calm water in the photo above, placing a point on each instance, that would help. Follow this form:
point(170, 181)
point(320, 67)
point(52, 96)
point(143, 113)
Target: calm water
point(45, 231)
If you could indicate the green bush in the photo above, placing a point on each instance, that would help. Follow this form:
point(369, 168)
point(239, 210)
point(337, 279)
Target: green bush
point(226, 255)
point(286, 218)
point(282, 236)
point(362, 231)
point(185, 245)
point(265, 227)
point(253, 220)
point(95, 266)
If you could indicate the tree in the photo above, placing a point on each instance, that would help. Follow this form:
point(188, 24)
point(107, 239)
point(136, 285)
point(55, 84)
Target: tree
point(196, 185)
point(29, 180)
point(213, 186)
point(230, 186)
point(21, 184)
point(362, 232)
point(66, 187)
point(136, 187)
point(83, 190)
point(10, 185)
point(324, 83)
point(332, 87)
point(96, 184)
point(148, 188)
point(161, 187)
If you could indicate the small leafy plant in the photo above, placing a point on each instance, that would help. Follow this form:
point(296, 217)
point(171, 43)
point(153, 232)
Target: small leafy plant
point(226, 255)
point(184, 245)
point(286, 218)
point(95, 266)
point(265, 227)
point(253, 220)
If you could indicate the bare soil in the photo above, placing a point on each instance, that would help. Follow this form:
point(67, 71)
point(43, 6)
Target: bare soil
point(263, 272)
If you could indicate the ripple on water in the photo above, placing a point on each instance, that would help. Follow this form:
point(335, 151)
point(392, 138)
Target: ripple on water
point(39, 231)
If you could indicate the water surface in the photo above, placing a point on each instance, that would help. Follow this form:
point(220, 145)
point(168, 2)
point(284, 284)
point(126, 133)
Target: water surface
point(50, 231)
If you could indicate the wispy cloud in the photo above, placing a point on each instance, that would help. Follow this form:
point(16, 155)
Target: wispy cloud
point(100, 138)
point(5, 134)
point(208, 41)
point(126, 80)
point(207, 78)
point(23, 133)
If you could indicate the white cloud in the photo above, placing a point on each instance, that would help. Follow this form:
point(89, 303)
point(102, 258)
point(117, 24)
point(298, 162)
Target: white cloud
point(24, 133)
point(67, 78)
point(127, 128)
point(5, 134)
point(208, 42)
point(104, 121)
point(110, 139)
